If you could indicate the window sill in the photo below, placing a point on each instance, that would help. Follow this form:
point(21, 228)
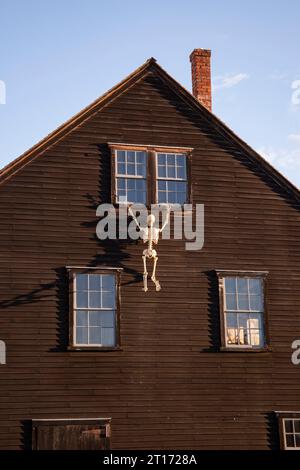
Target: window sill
point(245, 349)
point(94, 348)
point(118, 207)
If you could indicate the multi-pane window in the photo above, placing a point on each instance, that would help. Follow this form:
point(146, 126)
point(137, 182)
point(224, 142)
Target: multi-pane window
point(149, 175)
point(131, 176)
point(291, 433)
point(171, 178)
point(94, 322)
point(243, 309)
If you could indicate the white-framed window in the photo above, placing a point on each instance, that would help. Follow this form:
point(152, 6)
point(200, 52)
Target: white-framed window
point(291, 433)
point(172, 185)
point(243, 299)
point(131, 176)
point(94, 303)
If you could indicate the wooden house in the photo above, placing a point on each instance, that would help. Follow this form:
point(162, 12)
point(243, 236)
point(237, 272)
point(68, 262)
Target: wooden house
point(93, 361)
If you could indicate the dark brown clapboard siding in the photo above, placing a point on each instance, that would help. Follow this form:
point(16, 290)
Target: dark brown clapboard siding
point(169, 386)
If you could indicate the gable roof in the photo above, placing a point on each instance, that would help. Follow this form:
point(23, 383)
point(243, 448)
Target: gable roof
point(149, 66)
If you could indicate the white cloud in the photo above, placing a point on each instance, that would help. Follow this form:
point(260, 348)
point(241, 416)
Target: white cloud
point(278, 76)
point(228, 81)
point(286, 160)
point(294, 138)
point(295, 99)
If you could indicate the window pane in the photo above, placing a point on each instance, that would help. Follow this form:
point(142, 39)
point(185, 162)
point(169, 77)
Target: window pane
point(297, 439)
point(140, 197)
point(171, 172)
point(121, 169)
point(95, 335)
point(181, 198)
point(181, 161)
point(94, 299)
point(256, 302)
point(131, 196)
point(288, 425)
point(243, 320)
point(162, 171)
point(141, 170)
point(243, 332)
point(140, 185)
point(181, 172)
point(231, 320)
point(297, 425)
point(122, 196)
point(108, 282)
point(255, 320)
point(141, 157)
point(130, 169)
point(130, 183)
point(108, 299)
point(171, 185)
point(171, 160)
point(171, 197)
point(162, 197)
point(108, 319)
point(289, 440)
point(230, 285)
point(232, 336)
point(81, 318)
point(134, 190)
point(130, 156)
point(108, 336)
point(231, 302)
point(82, 299)
point(243, 302)
point(121, 155)
point(181, 186)
point(81, 281)
point(161, 159)
point(255, 286)
point(242, 285)
point(162, 185)
point(232, 328)
point(121, 183)
point(95, 318)
point(95, 282)
point(81, 335)
point(254, 337)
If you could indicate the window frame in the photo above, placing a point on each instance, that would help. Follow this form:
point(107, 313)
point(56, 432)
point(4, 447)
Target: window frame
point(151, 167)
point(282, 416)
point(221, 274)
point(72, 271)
point(160, 178)
point(101, 422)
point(127, 176)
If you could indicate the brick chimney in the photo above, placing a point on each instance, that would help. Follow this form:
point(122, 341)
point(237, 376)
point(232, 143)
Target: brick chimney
point(201, 78)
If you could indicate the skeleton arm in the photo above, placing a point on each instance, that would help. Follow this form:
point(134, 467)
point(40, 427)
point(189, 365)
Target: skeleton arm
point(167, 219)
point(134, 217)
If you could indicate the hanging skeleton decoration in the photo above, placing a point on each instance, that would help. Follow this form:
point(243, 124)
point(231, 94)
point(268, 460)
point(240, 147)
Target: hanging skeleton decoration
point(150, 235)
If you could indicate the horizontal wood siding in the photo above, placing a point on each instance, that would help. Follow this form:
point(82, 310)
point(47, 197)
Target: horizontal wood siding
point(169, 386)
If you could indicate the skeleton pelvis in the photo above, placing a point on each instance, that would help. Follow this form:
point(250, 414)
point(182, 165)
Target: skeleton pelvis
point(150, 253)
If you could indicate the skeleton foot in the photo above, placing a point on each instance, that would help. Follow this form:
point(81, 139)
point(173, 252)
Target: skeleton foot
point(157, 284)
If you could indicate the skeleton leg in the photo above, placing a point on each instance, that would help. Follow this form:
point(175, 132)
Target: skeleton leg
point(145, 274)
point(153, 278)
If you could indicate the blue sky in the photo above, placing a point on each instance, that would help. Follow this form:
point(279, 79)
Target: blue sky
point(58, 56)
